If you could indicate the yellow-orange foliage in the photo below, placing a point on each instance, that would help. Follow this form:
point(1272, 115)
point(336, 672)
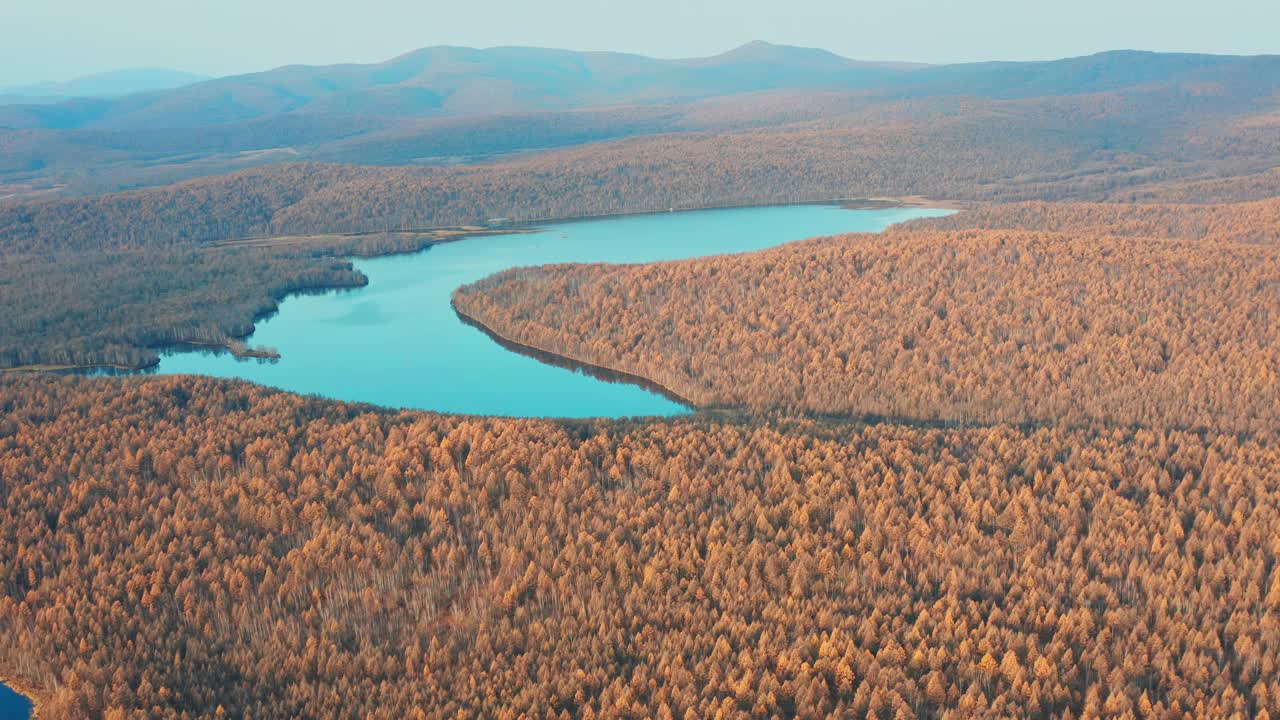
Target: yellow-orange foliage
point(1249, 222)
point(174, 545)
point(961, 326)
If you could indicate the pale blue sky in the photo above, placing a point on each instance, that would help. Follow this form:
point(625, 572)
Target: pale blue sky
point(60, 39)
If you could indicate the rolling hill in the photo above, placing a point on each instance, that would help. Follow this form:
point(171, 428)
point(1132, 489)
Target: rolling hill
point(452, 81)
point(1020, 461)
point(115, 83)
point(453, 105)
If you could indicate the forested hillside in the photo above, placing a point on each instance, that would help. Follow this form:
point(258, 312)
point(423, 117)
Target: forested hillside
point(963, 150)
point(394, 112)
point(1251, 222)
point(188, 547)
point(977, 156)
point(1022, 461)
point(962, 326)
point(454, 81)
point(417, 108)
point(149, 286)
point(118, 306)
point(142, 300)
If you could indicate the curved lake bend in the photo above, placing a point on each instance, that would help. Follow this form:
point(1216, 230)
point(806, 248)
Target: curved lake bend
point(12, 705)
point(398, 342)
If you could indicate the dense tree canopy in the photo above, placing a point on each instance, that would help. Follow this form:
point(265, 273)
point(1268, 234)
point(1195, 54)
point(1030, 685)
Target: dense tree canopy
point(139, 300)
point(1095, 147)
point(185, 547)
point(960, 326)
point(118, 307)
point(1249, 222)
point(1019, 462)
point(768, 148)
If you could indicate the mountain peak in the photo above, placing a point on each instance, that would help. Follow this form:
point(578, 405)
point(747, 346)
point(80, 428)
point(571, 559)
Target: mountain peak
point(767, 49)
point(760, 51)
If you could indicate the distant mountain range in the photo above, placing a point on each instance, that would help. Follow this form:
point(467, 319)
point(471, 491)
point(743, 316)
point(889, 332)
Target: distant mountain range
point(449, 105)
point(112, 84)
point(455, 81)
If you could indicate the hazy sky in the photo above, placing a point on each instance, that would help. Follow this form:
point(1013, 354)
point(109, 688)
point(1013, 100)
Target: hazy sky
point(60, 39)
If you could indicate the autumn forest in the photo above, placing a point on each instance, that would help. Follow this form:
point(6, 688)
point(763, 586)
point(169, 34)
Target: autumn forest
point(1019, 461)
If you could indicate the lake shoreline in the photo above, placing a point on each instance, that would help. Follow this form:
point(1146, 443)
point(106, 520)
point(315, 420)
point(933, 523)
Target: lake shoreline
point(86, 367)
point(601, 372)
point(734, 413)
point(457, 233)
point(430, 237)
point(28, 692)
point(235, 346)
point(407, 310)
point(502, 226)
point(891, 202)
point(886, 202)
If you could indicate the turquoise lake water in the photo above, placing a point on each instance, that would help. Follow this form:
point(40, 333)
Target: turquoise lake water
point(398, 342)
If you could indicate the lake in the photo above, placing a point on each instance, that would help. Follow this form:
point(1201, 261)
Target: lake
point(398, 342)
point(12, 705)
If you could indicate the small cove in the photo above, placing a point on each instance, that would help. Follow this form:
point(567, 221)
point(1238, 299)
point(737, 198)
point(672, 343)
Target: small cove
point(398, 342)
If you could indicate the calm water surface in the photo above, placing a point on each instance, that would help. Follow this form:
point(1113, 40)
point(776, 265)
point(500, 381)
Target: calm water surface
point(12, 705)
point(398, 342)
